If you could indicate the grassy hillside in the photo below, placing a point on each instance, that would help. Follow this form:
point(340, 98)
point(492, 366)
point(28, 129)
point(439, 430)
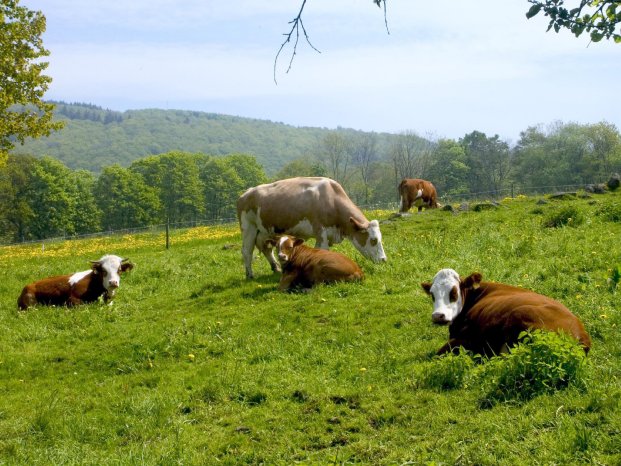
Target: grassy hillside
point(193, 364)
point(94, 138)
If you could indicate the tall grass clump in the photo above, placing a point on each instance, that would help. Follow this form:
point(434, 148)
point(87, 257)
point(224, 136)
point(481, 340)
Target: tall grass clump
point(445, 373)
point(614, 279)
point(542, 362)
point(567, 216)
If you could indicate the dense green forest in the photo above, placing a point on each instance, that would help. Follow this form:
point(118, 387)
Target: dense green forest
point(44, 195)
point(93, 137)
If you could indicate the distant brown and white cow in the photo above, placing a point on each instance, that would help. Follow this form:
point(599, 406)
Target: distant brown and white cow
point(305, 208)
point(81, 287)
point(487, 317)
point(417, 192)
point(303, 267)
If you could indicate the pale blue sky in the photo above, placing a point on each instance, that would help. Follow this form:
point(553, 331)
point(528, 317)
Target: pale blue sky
point(445, 69)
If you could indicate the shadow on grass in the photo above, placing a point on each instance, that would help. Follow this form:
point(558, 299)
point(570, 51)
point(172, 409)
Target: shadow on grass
point(260, 286)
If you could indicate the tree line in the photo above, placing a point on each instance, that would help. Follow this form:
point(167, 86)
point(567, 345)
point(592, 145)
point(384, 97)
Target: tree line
point(42, 197)
point(558, 155)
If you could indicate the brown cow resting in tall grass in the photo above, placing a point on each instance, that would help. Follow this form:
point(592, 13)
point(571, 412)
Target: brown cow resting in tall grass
point(487, 318)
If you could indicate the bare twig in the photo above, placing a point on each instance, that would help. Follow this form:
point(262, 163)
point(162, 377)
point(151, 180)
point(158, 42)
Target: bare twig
point(379, 4)
point(297, 23)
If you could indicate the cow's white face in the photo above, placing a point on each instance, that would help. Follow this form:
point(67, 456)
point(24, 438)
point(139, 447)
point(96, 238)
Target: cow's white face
point(368, 240)
point(110, 268)
point(285, 247)
point(445, 291)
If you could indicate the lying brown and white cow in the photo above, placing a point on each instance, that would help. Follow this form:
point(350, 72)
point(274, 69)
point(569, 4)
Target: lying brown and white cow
point(303, 267)
point(81, 287)
point(417, 192)
point(486, 317)
point(304, 208)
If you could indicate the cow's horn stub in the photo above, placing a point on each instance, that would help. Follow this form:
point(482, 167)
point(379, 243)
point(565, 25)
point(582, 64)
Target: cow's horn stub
point(358, 225)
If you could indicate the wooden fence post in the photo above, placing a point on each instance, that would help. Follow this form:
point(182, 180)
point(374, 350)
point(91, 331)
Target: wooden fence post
point(167, 232)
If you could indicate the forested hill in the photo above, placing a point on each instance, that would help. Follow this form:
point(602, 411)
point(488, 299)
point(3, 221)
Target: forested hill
point(94, 137)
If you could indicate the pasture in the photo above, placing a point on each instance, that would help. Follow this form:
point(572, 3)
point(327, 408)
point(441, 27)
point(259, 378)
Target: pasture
point(194, 364)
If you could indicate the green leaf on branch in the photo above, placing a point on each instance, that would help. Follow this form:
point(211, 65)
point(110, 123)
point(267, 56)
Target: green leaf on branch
point(533, 11)
point(596, 36)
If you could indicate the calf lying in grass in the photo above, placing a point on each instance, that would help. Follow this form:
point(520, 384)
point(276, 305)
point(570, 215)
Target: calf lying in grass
point(487, 317)
point(102, 279)
point(303, 266)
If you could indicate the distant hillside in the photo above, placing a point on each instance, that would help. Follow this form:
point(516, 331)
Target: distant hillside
point(94, 137)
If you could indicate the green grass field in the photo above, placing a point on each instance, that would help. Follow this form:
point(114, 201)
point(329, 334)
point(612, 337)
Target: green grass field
point(193, 364)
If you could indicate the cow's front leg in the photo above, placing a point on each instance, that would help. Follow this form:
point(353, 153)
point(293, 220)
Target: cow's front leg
point(321, 239)
point(108, 296)
point(73, 301)
point(287, 281)
point(452, 346)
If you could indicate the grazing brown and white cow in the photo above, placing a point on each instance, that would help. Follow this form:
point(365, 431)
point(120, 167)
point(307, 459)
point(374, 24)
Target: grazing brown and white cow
point(304, 267)
point(417, 192)
point(487, 317)
point(81, 287)
point(305, 208)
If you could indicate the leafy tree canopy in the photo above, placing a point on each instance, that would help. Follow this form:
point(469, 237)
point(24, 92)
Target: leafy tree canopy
point(22, 110)
point(599, 18)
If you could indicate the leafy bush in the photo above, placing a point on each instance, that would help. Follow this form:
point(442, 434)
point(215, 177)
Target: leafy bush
point(610, 212)
point(541, 363)
point(567, 216)
point(448, 372)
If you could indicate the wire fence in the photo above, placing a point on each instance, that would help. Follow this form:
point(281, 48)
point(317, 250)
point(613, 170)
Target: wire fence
point(231, 217)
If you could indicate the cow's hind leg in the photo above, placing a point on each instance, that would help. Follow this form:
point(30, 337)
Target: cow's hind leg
point(249, 237)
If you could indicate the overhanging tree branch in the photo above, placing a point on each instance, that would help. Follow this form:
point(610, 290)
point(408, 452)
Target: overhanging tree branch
point(600, 18)
point(298, 24)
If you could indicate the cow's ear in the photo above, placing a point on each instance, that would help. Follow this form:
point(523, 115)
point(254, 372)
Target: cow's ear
point(271, 243)
point(125, 266)
point(95, 266)
point(298, 241)
point(427, 287)
point(471, 281)
point(358, 225)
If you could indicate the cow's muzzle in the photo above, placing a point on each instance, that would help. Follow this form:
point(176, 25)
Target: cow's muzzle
point(439, 318)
